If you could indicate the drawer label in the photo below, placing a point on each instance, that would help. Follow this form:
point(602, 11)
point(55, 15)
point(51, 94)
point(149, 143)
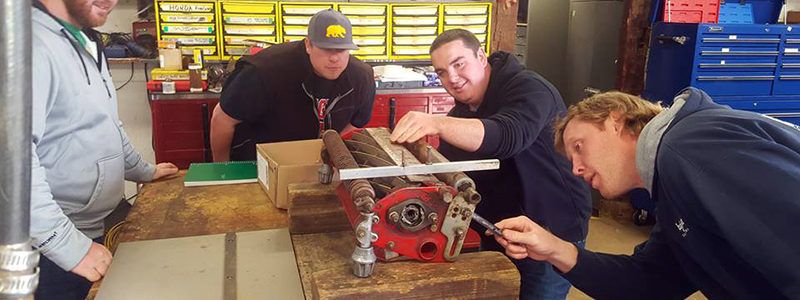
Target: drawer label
point(191, 40)
point(726, 50)
point(188, 29)
point(732, 37)
point(791, 50)
point(186, 7)
point(250, 20)
point(187, 18)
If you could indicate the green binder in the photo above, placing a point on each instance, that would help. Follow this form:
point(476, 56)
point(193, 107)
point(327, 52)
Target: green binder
point(235, 172)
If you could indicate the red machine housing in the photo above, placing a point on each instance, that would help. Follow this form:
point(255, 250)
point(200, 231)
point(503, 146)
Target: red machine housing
point(422, 245)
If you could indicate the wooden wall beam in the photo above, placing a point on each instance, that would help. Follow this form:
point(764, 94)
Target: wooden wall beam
point(504, 26)
point(634, 43)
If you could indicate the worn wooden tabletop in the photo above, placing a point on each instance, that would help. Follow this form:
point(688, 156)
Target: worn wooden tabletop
point(167, 209)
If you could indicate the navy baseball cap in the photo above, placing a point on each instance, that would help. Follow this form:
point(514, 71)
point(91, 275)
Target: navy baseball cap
point(330, 29)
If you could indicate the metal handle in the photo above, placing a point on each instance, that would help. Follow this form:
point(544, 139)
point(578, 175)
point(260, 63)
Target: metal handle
point(791, 53)
point(676, 39)
point(206, 133)
point(724, 40)
point(790, 65)
point(709, 78)
point(739, 53)
point(793, 41)
point(790, 77)
point(720, 65)
point(392, 112)
point(783, 115)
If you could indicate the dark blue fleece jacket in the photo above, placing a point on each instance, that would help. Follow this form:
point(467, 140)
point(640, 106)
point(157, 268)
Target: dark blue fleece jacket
point(517, 113)
point(727, 183)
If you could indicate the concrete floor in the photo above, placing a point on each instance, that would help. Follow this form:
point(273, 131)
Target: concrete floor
point(609, 236)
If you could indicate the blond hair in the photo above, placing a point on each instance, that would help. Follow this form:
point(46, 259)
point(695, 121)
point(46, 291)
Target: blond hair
point(636, 113)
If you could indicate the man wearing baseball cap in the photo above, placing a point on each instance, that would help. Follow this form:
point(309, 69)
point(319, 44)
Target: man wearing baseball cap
point(294, 91)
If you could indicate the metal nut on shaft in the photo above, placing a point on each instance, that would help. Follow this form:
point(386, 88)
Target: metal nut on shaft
point(394, 217)
point(325, 174)
point(433, 217)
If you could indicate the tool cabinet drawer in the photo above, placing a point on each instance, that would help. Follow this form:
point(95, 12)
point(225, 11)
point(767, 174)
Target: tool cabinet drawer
point(741, 84)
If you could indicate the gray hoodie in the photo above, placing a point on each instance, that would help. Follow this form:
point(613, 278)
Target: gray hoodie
point(650, 139)
point(81, 155)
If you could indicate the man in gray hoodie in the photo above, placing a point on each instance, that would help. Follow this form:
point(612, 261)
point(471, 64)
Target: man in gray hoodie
point(81, 156)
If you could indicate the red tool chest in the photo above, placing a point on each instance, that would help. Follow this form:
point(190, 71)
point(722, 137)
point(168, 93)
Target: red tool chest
point(181, 121)
point(691, 11)
point(181, 125)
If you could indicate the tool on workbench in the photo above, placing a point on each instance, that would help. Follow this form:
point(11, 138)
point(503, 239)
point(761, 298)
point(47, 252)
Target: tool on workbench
point(485, 223)
point(403, 201)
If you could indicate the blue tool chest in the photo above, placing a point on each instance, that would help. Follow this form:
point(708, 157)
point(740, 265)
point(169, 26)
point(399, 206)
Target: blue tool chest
point(745, 66)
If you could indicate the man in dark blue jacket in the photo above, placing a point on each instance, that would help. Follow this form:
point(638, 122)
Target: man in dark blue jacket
point(504, 111)
point(727, 184)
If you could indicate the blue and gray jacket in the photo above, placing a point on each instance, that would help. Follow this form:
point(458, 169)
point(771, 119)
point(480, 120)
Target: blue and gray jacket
point(727, 184)
point(81, 156)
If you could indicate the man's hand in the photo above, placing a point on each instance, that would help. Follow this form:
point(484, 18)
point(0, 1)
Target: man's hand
point(94, 265)
point(164, 169)
point(414, 126)
point(523, 238)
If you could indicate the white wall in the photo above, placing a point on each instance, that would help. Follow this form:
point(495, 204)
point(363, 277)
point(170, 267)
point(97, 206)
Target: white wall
point(134, 109)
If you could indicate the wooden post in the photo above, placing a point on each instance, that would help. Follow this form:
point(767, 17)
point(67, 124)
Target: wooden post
point(634, 42)
point(504, 26)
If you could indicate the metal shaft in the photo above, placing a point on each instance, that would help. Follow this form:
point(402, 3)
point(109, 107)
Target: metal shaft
point(360, 190)
point(364, 197)
point(18, 278)
point(15, 114)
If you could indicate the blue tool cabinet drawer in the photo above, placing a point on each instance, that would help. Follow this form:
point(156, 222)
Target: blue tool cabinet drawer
point(737, 40)
point(787, 111)
point(760, 105)
point(720, 51)
point(788, 83)
point(793, 118)
point(736, 64)
point(738, 84)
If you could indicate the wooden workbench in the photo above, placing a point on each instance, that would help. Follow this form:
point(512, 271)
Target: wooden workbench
point(167, 209)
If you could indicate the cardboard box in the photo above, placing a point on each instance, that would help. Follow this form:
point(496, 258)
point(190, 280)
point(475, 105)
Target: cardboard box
point(280, 164)
point(170, 59)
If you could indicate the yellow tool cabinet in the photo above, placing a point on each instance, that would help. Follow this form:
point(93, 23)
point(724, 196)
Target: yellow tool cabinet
point(474, 17)
point(191, 23)
point(413, 29)
point(295, 16)
point(370, 25)
point(246, 23)
point(383, 31)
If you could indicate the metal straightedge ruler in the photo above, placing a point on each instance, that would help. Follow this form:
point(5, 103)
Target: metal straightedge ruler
point(435, 168)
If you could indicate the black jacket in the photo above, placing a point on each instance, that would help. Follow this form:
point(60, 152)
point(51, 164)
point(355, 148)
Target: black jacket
point(727, 184)
point(268, 92)
point(517, 113)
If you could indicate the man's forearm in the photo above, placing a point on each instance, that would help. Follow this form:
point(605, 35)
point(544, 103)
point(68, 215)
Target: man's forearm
point(221, 137)
point(565, 257)
point(465, 134)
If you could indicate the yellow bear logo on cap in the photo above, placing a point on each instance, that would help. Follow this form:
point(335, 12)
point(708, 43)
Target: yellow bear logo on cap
point(335, 31)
